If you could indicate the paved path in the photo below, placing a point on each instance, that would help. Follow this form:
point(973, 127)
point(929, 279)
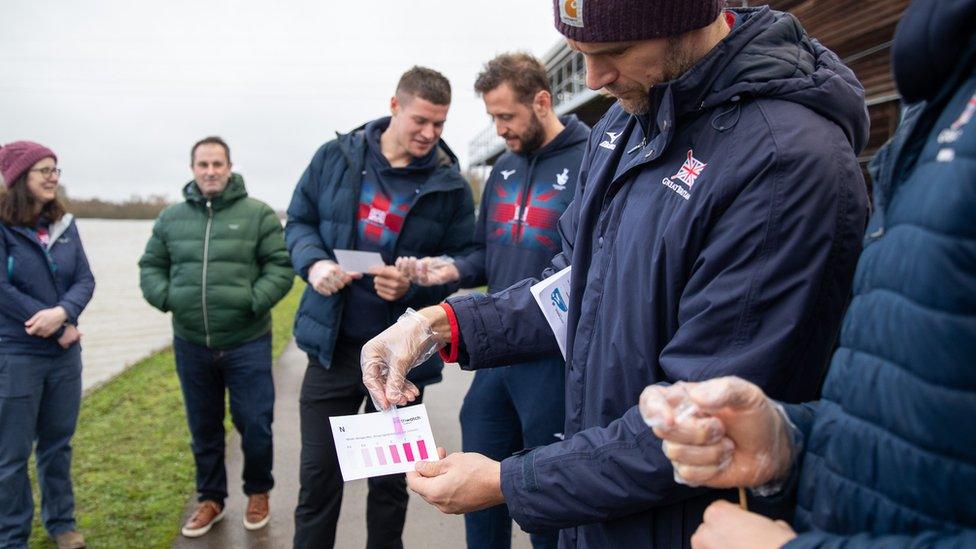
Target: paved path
point(425, 527)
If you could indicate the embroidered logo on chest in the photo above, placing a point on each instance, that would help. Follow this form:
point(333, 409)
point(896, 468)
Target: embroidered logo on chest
point(561, 180)
point(610, 143)
point(688, 173)
point(954, 132)
point(377, 216)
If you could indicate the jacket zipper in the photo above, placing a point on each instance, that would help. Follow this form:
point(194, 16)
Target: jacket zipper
point(206, 261)
point(524, 199)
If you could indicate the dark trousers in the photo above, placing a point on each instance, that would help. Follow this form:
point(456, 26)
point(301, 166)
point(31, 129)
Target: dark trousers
point(245, 372)
point(339, 392)
point(39, 401)
point(506, 410)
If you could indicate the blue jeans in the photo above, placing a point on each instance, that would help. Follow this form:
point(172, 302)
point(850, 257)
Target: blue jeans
point(245, 372)
point(39, 401)
point(506, 410)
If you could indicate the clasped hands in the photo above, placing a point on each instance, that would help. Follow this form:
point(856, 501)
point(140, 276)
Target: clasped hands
point(46, 323)
point(734, 436)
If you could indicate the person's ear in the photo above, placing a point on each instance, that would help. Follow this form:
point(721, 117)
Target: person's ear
point(542, 103)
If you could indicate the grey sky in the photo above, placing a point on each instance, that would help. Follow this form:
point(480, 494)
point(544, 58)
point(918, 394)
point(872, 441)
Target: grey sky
point(121, 89)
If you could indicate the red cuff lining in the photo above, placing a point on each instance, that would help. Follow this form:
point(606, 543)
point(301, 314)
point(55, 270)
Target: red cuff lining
point(450, 352)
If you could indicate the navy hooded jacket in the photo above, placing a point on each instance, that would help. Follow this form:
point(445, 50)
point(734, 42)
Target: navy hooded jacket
point(322, 217)
point(36, 277)
point(516, 234)
point(715, 236)
point(890, 450)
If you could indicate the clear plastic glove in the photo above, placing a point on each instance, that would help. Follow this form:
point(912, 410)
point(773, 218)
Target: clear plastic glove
point(327, 277)
point(388, 357)
point(429, 271)
point(735, 436)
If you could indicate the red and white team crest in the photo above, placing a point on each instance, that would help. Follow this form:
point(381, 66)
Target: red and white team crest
point(690, 170)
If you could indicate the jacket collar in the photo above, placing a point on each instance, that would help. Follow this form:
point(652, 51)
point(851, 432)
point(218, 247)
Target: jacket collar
point(235, 190)
point(56, 230)
point(445, 177)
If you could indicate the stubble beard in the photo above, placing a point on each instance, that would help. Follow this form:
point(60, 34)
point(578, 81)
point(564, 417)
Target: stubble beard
point(678, 59)
point(533, 138)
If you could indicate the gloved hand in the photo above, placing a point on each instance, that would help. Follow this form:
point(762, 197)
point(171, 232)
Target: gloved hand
point(733, 436)
point(327, 277)
point(429, 271)
point(388, 357)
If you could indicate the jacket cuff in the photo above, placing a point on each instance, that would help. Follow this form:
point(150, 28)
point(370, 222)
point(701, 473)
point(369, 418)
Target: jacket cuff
point(72, 313)
point(468, 278)
point(311, 259)
point(473, 340)
point(518, 478)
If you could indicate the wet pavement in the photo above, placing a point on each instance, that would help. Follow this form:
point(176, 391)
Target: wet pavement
point(425, 527)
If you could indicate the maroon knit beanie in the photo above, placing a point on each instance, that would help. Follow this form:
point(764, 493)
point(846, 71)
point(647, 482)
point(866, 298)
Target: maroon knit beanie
point(17, 157)
point(625, 20)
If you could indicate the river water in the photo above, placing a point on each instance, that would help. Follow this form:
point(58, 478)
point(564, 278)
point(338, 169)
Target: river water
point(118, 327)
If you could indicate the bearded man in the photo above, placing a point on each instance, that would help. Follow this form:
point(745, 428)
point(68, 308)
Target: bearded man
point(714, 231)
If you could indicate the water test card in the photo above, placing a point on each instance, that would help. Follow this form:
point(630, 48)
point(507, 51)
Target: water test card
point(552, 296)
point(368, 444)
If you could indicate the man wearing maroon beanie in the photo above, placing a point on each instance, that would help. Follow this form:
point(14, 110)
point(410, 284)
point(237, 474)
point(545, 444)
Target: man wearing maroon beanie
point(714, 231)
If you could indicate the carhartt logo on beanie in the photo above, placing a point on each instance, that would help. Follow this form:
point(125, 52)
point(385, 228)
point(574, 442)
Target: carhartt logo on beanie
point(569, 12)
point(17, 157)
point(624, 20)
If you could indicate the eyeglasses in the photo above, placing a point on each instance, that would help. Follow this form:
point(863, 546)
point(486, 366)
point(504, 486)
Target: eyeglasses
point(47, 172)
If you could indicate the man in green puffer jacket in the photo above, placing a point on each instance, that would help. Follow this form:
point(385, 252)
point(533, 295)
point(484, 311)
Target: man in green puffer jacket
point(218, 262)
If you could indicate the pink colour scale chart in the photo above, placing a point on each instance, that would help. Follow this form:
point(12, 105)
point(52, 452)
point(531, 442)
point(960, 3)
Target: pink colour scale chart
point(370, 445)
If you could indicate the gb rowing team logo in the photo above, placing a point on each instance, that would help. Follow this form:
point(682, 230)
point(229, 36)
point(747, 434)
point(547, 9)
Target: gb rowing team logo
point(952, 134)
point(688, 173)
point(561, 180)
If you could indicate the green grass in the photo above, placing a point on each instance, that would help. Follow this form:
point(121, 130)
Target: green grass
point(132, 468)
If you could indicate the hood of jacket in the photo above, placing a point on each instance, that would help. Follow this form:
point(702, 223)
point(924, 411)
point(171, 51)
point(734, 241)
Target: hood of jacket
point(932, 37)
point(768, 55)
point(235, 190)
point(446, 174)
point(574, 134)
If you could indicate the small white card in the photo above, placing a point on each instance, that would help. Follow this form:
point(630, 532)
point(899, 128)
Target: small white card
point(356, 261)
point(368, 445)
point(552, 295)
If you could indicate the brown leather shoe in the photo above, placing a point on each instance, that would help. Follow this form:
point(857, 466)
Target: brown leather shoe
point(203, 518)
point(258, 512)
point(72, 539)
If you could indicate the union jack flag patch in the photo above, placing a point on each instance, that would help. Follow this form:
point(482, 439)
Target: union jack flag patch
point(690, 170)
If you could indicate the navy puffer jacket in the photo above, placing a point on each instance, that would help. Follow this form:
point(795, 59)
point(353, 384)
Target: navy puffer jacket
point(322, 218)
point(890, 456)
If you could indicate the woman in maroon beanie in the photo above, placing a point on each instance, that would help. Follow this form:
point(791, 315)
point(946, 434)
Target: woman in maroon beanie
point(45, 283)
